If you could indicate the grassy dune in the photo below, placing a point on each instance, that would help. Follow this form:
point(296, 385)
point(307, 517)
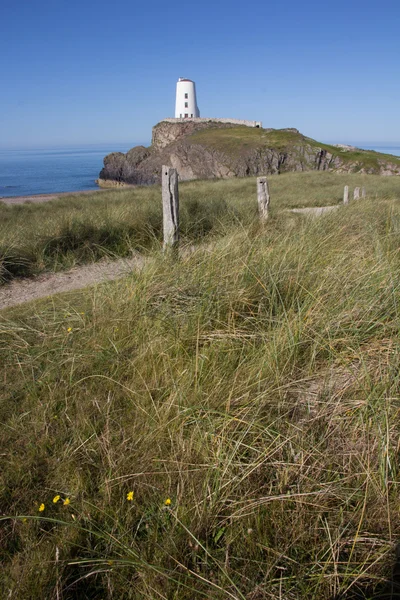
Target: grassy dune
point(74, 230)
point(247, 395)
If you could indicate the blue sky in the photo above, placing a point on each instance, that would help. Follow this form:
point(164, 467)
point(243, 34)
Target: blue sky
point(80, 72)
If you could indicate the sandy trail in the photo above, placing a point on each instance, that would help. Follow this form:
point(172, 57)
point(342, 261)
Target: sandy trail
point(47, 284)
point(19, 291)
point(315, 211)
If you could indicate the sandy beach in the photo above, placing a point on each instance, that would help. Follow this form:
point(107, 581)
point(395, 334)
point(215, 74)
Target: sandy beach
point(45, 197)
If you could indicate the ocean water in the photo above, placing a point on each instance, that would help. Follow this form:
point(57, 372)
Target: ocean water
point(47, 171)
point(385, 149)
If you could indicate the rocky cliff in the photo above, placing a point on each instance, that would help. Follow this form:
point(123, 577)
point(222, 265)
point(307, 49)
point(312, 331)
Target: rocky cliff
point(210, 149)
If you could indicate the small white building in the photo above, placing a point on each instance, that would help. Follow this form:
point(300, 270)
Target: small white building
point(186, 102)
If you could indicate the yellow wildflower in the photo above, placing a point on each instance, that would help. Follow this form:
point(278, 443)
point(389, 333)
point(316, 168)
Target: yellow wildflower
point(69, 329)
point(167, 502)
point(129, 496)
point(41, 507)
point(56, 499)
point(67, 501)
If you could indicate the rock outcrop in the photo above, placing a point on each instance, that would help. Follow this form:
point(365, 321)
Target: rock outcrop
point(206, 150)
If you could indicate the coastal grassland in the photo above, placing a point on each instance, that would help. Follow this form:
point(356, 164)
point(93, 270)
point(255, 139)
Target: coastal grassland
point(253, 384)
point(228, 139)
point(79, 229)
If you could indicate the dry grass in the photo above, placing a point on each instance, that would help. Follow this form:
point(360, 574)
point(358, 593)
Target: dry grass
point(79, 229)
point(254, 383)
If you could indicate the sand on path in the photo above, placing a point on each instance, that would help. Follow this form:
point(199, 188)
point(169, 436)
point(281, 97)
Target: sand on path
point(315, 211)
point(19, 291)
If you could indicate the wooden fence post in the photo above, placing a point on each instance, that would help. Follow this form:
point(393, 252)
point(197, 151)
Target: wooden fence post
point(346, 194)
point(170, 202)
point(263, 198)
point(356, 194)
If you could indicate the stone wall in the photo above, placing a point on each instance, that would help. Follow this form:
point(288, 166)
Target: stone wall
point(213, 120)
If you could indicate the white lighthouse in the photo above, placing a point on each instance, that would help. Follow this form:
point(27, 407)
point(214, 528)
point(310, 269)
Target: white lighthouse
point(186, 103)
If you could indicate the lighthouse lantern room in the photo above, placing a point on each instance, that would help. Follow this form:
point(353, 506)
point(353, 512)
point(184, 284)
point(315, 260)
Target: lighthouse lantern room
point(186, 102)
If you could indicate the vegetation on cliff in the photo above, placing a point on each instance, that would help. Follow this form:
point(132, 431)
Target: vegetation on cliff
point(204, 151)
point(224, 426)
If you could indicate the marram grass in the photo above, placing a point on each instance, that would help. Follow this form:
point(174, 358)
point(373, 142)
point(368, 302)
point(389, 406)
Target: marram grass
point(78, 229)
point(224, 427)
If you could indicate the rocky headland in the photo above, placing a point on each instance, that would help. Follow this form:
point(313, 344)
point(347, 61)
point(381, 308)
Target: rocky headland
point(214, 149)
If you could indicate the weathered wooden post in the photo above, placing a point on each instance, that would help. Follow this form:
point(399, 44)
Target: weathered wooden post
point(170, 201)
point(263, 198)
point(356, 194)
point(346, 194)
point(363, 192)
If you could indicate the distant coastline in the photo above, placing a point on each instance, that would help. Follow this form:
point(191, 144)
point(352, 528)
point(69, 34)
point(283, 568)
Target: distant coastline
point(30, 173)
point(39, 198)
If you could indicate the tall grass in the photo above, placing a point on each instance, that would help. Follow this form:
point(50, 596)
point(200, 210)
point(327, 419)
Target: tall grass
point(255, 384)
point(74, 230)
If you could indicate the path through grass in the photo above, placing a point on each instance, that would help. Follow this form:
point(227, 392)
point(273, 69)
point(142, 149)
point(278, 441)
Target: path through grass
point(79, 229)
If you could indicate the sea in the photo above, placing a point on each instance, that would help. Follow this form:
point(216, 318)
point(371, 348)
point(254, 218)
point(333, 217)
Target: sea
point(50, 170)
point(29, 172)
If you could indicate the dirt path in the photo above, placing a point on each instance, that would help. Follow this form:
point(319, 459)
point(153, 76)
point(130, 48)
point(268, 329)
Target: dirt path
point(25, 290)
point(315, 211)
point(47, 284)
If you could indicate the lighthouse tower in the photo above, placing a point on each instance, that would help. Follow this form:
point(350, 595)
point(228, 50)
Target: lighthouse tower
point(186, 103)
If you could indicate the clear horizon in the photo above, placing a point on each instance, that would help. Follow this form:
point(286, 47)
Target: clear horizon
point(78, 73)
